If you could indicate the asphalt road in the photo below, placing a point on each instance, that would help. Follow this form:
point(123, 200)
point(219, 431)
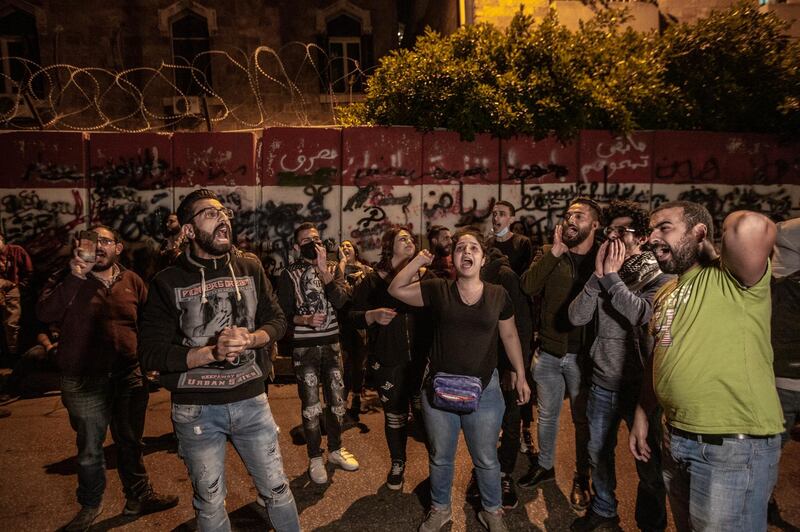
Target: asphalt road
point(37, 460)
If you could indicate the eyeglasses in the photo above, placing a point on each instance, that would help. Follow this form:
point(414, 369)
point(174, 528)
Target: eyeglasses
point(617, 230)
point(103, 241)
point(212, 213)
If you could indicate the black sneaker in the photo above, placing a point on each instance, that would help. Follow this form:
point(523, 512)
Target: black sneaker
point(395, 479)
point(580, 497)
point(773, 512)
point(536, 476)
point(84, 519)
point(150, 503)
point(473, 492)
point(510, 500)
point(592, 521)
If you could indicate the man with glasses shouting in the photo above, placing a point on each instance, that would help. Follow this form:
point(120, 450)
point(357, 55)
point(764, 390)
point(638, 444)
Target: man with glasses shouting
point(619, 294)
point(206, 327)
point(95, 303)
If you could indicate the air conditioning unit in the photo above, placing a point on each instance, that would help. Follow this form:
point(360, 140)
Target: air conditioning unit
point(187, 105)
point(7, 104)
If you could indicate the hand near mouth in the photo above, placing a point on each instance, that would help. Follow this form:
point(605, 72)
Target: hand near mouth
point(600, 258)
point(559, 247)
point(615, 256)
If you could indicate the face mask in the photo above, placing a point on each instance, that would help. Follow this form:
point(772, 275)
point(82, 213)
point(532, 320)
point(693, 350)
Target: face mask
point(501, 233)
point(309, 251)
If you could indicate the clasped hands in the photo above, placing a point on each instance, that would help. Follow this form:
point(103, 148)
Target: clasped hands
point(231, 342)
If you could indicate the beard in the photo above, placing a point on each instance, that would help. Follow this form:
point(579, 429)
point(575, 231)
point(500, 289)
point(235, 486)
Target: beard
point(581, 235)
point(681, 257)
point(101, 267)
point(205, 241)
point(441, 251)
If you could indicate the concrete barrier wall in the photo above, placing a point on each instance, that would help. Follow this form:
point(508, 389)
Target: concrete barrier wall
point(354, 183)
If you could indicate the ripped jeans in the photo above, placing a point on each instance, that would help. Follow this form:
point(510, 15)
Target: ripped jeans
point(203, 432)
point(312, 364)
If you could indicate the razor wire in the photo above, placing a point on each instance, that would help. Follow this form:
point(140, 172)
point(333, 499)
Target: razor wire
point(65, 97)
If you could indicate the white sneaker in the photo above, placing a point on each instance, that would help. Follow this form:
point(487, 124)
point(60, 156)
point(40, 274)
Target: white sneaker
point(316, 470)
point(344, 459)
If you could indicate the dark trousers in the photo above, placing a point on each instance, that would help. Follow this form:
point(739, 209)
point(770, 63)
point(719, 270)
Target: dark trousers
point(94, 404)
point(312, 365)
point(509, 441)
point(355, 358)
point(397, 387)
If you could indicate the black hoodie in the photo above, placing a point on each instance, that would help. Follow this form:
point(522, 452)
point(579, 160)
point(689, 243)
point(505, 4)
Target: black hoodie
point(188, 304)
point(497, 270)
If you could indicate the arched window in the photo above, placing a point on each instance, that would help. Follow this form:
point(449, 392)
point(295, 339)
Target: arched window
point(344, 54)
point(190, 42)
point(345, 39)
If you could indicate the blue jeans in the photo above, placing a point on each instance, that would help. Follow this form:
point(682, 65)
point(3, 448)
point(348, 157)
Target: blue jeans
point(312, 365)
point(203, 432)
point(720, 487)
point(481, 432)
point(553, 376)
point(605, 412)
point(94, 404)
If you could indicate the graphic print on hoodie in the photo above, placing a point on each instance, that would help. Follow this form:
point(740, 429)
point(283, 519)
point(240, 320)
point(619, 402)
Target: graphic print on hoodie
point(225, 302)
point(301, 293)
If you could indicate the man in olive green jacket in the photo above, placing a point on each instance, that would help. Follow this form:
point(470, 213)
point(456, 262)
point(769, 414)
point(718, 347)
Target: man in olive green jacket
point(557, 276)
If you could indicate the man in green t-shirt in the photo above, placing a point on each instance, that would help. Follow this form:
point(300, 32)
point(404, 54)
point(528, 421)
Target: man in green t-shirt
point(712, 369)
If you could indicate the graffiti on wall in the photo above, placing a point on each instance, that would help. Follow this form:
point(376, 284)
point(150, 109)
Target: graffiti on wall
point(355, 183)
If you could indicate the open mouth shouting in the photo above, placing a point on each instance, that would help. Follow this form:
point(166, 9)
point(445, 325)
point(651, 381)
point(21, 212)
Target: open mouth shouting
point(222, 234)
point(571, 230)
point(662, 252)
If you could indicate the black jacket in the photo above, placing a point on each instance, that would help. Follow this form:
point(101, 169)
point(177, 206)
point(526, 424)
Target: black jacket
point(786, 326)
point(497, 270)
point(407, 337)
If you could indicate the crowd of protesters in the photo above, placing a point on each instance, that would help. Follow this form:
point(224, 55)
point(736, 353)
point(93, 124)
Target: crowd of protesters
point(634, 316)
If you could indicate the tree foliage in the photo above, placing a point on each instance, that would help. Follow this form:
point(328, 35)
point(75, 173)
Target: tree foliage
point(734, 70)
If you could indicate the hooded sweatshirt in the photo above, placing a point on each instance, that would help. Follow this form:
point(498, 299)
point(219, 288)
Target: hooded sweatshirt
point(497, 270)
point(623, 304)
point(188, 305)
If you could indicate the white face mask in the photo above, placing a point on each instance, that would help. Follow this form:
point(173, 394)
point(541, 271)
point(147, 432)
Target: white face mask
point(502, 232)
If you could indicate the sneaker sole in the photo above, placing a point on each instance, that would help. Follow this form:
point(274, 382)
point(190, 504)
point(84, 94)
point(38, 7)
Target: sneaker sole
point(529, 486)
point(346, 468)
point(125, 511)
point(394, 487)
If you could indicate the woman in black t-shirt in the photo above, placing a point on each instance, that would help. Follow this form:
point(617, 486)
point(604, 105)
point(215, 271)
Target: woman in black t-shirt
point(396, 343)
point(468, 315)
